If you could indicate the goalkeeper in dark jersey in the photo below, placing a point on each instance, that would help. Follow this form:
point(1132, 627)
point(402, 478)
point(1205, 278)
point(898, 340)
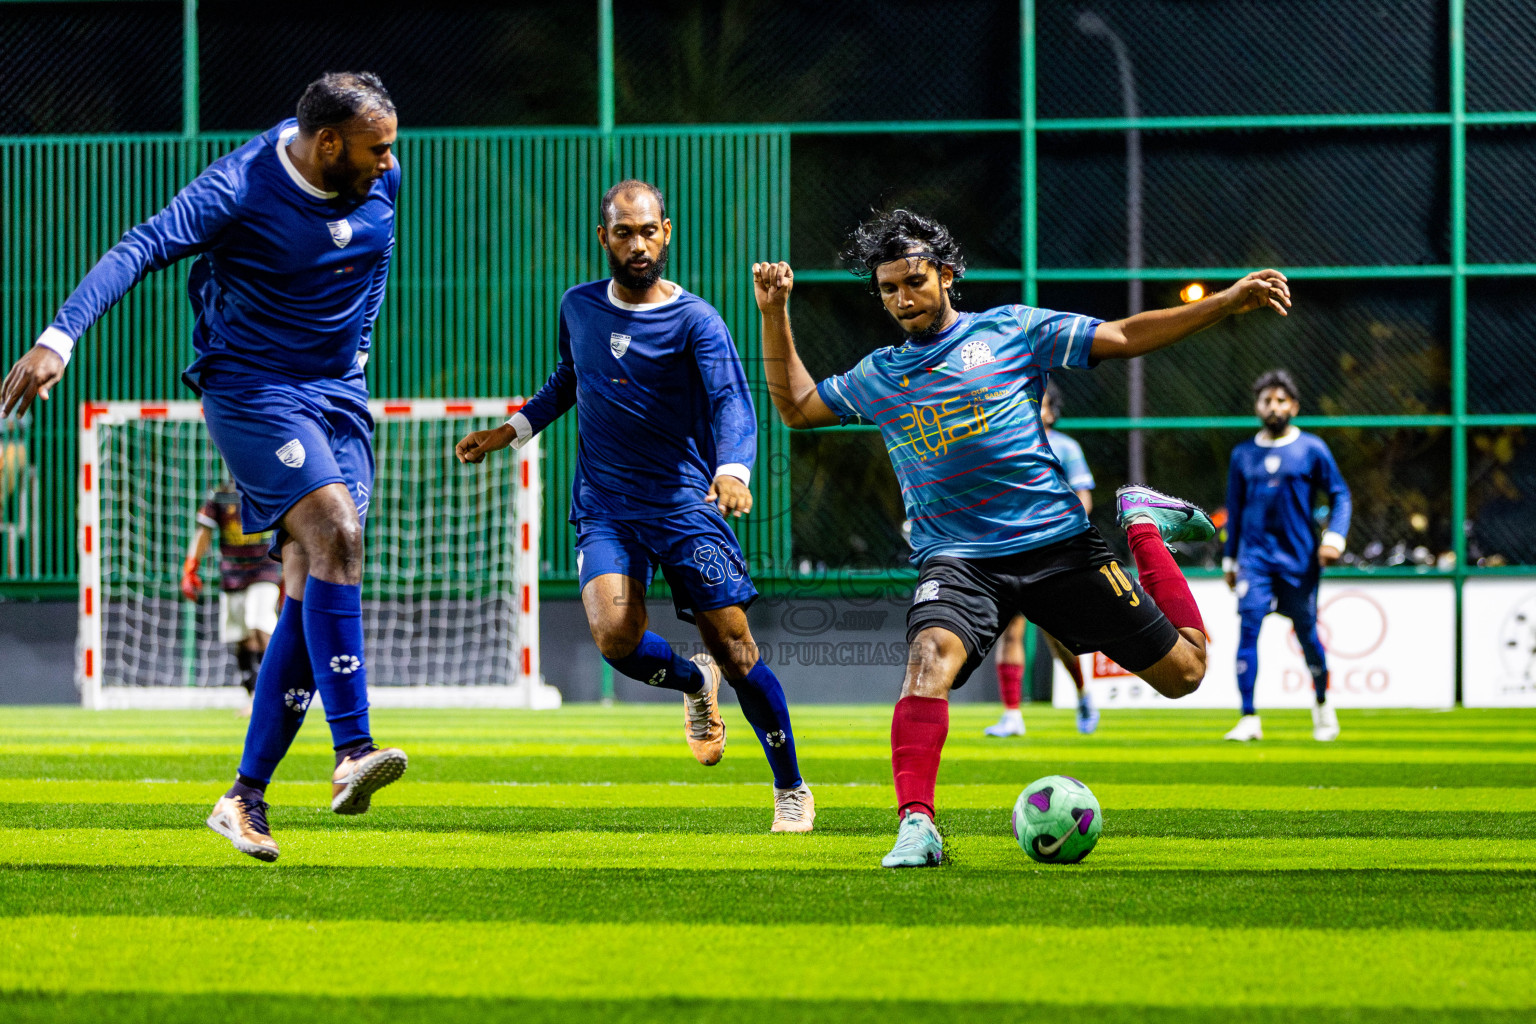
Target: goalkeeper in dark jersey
point(250, 582)
point(996, 528)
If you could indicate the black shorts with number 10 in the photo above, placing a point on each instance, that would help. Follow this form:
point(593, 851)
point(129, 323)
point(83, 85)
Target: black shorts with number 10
point(1073, 589)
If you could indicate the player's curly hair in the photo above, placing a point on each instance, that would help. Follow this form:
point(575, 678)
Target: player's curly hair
point(337, 97)
point(889, 235)
point(1276, 379)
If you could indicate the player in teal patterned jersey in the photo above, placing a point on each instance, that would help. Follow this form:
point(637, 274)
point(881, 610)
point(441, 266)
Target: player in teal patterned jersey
point(996, 528)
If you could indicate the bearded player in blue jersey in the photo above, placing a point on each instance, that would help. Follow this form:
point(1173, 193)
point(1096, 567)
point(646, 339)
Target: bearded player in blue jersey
point(668, 437)
point(293, 232)
point(1274, 558)
point(996, 528)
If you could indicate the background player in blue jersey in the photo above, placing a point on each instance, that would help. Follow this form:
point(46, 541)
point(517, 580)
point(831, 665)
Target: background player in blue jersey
point(668, 438)
point(996, 529)
point(1274, 559)
point(293, 232)
point(1010, 646)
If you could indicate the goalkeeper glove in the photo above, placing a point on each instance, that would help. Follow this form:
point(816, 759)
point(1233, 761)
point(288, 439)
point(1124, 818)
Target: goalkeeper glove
point(191, 583)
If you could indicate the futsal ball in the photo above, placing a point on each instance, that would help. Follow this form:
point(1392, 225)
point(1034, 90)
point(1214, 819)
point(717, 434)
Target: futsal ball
point(1057, 820)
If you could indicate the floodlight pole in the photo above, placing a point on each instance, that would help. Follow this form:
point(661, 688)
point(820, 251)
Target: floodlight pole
point(1091, 24)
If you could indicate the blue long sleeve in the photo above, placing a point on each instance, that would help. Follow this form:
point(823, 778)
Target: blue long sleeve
point(558, 394)
point(1340, 505)
point(376, 297)
point(189, 224)
point(733, 419)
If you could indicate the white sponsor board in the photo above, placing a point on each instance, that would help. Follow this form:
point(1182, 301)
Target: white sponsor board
point(1390, 644)
point(1498, 643)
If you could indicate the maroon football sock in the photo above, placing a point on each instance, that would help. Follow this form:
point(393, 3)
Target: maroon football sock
point(1010, 685)
point(1161, 579)
point(918, 729)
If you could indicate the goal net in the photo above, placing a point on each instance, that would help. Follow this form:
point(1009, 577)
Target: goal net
point(450, 578)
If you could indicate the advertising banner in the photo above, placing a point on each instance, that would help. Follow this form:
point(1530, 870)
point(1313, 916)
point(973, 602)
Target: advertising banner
point(1498, 643)
point(1390, 644)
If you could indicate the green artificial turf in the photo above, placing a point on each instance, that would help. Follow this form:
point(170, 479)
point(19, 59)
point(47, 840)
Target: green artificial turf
point(579, 865)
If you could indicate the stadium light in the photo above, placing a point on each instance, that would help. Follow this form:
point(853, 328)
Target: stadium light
point(1192, 292)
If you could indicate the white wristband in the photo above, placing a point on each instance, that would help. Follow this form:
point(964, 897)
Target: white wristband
point(1334, 540)
point(518, 422)
point(736, 470)
point(1228, 564)
point(56, 341)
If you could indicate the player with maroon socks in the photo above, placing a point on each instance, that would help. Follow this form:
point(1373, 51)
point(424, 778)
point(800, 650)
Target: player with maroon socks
point(996, 528)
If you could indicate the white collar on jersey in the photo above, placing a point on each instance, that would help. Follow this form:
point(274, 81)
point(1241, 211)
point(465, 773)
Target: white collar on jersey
point(641, 307)
point(1263, 440)
point(293, 172)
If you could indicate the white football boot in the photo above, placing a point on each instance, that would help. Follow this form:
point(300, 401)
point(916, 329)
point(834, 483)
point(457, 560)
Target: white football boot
point(1325, 723)
point(1011, 724)
point(1248, 728)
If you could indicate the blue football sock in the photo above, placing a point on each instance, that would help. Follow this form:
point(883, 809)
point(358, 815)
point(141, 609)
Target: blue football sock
point(1248, 658)
point(333, 631)
point(284, 688)
point(1312, 650)
point(655, 663)
point(763, 704)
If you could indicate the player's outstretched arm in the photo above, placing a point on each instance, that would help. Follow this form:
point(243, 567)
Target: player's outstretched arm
point(1158, 328)
point(790, 386)
point(188, 225)
point(33, 376)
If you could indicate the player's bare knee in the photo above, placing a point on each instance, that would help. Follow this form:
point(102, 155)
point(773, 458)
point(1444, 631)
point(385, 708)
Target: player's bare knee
point(736, 655)
point(932, 664)
point(334, 548)
point(616, 638)
point(1181, 671)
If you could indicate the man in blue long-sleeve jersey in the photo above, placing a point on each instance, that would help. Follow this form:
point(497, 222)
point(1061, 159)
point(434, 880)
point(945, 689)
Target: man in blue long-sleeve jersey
point(1273, 557)
point(668, 437)
point(293, 232)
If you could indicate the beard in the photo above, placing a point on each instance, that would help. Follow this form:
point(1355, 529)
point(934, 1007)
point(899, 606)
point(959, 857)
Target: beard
point(642, 280)
point(344, 179)
point(1277, 422)
point(935, 326)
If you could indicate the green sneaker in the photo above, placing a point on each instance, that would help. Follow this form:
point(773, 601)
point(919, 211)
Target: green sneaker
point(1175, 518)
point(918, 844)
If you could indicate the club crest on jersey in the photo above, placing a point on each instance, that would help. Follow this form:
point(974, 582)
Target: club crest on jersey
point(291, 454)
point(341, 232)
point(618, 344)
point(1272, 464)
point(975, 353)
point(926, 592)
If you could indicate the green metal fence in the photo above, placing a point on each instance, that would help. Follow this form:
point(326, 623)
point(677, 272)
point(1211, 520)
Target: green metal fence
point(1385, 165)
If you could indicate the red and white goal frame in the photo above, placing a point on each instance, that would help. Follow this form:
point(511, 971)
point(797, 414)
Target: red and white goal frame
point(526, 688)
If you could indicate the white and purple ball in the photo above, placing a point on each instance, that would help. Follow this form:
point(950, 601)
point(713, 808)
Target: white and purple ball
point(1057, 820)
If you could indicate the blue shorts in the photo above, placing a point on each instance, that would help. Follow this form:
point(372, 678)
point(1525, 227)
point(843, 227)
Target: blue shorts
point(1259, 593)
point(695, 550)
point(282, 441)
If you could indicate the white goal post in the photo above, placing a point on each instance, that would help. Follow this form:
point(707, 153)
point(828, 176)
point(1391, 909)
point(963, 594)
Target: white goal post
point(451, 565)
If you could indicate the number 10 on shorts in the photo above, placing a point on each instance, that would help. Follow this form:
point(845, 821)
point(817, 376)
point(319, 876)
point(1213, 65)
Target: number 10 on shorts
point(1119, 583)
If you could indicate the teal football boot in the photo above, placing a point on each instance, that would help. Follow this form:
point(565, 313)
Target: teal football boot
point(1175, 519)
point(918, 844)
